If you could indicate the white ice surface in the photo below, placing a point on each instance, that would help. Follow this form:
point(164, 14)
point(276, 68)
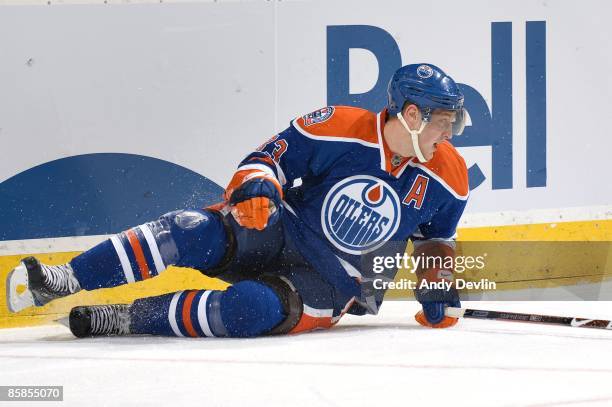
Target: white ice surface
point(384, 360)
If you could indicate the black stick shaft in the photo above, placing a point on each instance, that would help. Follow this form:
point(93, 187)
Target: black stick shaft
point(529, 318)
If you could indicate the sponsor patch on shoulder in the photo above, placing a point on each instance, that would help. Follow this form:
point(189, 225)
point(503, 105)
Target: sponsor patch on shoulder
point(318, 116)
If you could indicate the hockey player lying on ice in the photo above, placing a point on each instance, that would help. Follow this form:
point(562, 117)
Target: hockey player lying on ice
point(292, 254)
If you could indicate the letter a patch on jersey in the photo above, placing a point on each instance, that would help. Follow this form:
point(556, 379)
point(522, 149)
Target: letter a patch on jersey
point(318, 116)
point(417, 192)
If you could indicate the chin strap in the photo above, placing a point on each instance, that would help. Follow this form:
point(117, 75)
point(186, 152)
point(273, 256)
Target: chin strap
point(414, 136)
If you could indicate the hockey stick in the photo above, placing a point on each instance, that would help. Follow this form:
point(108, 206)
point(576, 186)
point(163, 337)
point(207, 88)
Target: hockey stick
point(530, 318)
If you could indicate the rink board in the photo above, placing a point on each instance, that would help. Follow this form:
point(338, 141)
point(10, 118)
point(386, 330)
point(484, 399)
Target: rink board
point(200, 84)
point(544, 271)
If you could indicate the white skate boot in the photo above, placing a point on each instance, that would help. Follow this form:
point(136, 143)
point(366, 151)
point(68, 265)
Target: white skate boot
point(34, 284)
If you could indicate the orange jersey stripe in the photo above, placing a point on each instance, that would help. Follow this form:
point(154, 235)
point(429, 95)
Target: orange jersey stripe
point(345, 123)
point(140, 257)
point(448, 164)
point(186, 313)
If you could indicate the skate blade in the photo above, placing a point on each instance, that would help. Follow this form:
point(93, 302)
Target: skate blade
point(63, 321)
point(18, 294)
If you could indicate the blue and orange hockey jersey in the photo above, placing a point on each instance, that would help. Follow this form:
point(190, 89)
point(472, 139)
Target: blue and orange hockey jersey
point(352, 199)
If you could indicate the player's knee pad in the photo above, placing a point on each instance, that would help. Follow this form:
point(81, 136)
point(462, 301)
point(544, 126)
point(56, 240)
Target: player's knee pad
point(291, 301)
point(193, 238)
point(250, 308)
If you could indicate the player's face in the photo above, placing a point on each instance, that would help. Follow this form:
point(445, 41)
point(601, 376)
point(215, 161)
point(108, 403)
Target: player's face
point(436, 131)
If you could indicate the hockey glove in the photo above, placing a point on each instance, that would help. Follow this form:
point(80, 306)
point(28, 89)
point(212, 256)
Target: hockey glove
point(435, 300)
point(256, 203)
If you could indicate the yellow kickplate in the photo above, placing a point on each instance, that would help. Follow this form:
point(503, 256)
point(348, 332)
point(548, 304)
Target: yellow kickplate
point(172, 280)
point(532, 273)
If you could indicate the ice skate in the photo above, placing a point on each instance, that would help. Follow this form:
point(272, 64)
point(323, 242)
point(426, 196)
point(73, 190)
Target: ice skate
point(34, 284)
point(100, 320)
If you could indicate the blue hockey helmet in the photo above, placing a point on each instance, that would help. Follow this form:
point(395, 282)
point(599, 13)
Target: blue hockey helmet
point(429, 88)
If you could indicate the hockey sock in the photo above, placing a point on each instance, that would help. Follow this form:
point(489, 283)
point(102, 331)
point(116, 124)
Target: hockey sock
point(246, 309)
point(189, 238)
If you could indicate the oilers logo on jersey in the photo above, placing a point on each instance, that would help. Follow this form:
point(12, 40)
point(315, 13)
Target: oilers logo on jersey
point(360, 213)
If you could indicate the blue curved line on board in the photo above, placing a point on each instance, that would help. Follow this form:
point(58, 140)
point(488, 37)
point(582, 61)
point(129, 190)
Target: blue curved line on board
point(96, 194)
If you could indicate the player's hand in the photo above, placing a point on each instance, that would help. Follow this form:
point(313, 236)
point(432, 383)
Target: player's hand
point(434, 311)
point(435, 301)
point(256, 203)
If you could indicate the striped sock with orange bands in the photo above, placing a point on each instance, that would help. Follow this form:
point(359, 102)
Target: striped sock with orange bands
point(145, 273)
